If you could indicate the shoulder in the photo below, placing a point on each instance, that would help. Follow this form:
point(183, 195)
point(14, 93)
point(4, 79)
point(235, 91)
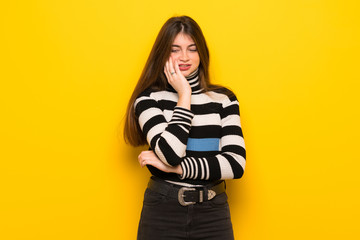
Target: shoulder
point(229, 103)
point(225, 94)
point(152, 96)
point(144, 97)
point(147, 92)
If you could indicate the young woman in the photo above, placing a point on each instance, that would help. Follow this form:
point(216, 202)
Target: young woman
point(194, 135)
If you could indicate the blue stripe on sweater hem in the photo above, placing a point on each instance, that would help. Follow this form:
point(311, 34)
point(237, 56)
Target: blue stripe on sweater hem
point(203, 144)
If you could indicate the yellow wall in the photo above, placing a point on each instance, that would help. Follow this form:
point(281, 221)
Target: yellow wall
point(68, 68)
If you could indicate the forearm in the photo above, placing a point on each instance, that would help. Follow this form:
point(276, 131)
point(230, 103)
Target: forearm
point(167, 139)
point(221, 166)
point(230, 161)
point(170, 145)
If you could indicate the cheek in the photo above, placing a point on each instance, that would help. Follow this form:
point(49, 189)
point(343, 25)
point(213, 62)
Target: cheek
point(196, 60)
point(196, 57)
point(174, 55)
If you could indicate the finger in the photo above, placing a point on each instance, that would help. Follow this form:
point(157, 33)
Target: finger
point(142, 156)
point(142, 159)
point(166, 65)
point(167, 71)
point(152, 153)
point(171, 67)
point(146, 153)
point(177, 67)
point(140, 162)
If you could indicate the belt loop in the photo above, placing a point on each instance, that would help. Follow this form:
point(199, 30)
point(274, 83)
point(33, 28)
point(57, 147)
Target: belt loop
point(201, 196)
point(206, 198)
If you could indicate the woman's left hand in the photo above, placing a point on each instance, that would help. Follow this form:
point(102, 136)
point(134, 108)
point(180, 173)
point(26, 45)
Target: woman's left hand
point(149, 158)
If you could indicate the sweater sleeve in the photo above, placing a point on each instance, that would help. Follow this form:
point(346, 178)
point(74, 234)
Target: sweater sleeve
point(167, 139)
point(230, 162)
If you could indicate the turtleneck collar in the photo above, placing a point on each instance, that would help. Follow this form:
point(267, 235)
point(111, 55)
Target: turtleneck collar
point(193, 79)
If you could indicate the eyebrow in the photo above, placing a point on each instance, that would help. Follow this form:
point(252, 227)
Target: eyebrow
point(191, 45)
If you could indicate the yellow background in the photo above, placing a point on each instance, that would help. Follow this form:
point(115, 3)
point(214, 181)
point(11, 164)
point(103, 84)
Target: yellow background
point(67, 71)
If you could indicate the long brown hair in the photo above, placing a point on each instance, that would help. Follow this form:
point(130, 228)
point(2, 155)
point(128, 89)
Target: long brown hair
point(153, 72)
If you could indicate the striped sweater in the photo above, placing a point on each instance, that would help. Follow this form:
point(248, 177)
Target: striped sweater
point(207, 141)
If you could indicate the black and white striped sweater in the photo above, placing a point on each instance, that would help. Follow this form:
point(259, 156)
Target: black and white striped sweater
point(207, 140)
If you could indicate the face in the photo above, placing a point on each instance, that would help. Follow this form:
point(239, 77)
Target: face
point(185, 52)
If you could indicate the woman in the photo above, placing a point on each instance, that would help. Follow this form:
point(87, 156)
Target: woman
point(195, 138)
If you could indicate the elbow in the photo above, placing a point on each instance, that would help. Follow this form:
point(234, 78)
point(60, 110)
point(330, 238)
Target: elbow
point(237, 162)
point(239, 168)
point(241, 159)
point(168, 154)
point(239, 173)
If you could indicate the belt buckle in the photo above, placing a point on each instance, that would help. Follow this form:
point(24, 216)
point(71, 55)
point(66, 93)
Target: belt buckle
point(181, 196)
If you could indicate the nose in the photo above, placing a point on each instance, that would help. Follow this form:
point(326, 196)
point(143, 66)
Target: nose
point(184, 56)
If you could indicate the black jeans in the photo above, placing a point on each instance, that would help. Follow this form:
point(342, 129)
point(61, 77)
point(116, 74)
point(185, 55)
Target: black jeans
point(164, 218)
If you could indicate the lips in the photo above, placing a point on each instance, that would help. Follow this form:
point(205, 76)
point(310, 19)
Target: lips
point(184, 67)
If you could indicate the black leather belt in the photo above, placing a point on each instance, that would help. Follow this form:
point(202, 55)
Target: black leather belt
point(186, 195)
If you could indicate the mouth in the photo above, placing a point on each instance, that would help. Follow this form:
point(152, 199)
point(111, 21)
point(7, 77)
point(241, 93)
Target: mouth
point(184, 67)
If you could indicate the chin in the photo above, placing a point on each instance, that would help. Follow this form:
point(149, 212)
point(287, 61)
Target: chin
point(185, 73)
